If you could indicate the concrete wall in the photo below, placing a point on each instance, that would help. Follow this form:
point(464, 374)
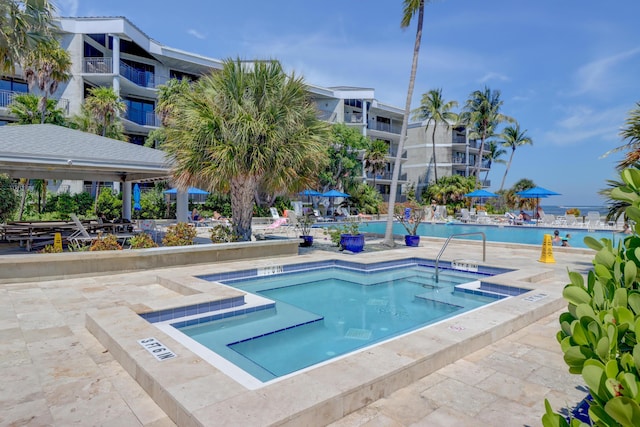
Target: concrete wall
point(33, 266)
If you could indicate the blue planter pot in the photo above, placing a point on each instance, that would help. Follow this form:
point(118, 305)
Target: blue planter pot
point(351, 242)
point(306, 241)
point(410, 240)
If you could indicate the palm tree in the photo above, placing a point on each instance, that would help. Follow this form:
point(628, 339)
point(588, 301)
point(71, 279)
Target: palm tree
point(493, 154)
point(26, 107)
point(46, 67)
point(631, 132)
point(433, 108)
point(245, 128)
point(513, 137)
point(374, 158)
point(23, 26)
point(482, 115)
point(103, 109)
point(411, 7)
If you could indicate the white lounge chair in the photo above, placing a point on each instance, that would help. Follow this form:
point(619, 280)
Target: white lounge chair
point(465, 216)
point(593, 220)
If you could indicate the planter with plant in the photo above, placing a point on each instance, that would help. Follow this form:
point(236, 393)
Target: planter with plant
point(305, 223)
point(411, 222)
point(350, 237)
point(599, 334)
point(105, 243)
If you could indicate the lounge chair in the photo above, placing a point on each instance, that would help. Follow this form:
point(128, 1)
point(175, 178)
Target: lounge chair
point(465, 216)
point(150, 227)
point(593, 220)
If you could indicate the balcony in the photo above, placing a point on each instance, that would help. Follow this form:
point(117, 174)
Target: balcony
point(353, 118)
point(138, 77)
point(6, 98)
point(141, 117)
point(384, 127)
point(458, 139)
point(394, 152)
point(387, 176)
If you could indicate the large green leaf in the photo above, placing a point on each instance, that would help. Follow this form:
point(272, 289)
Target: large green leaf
point(636, 355)
point(624, 410)
point(551, 419)
point(605, 258)
point(579, 334)
point(602, 271)
point(576, 279)
point(576, 295)
point(602, 349)
point(585, 310)
point(593, 374)
point(630, 272)
point(593, 243)
point(633, 300)
point(620, 297)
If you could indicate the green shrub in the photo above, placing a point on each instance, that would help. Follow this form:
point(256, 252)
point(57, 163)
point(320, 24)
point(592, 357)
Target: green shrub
point(142, 241)
point(180, 234)
point(65, 204)
point(599, 330)
point(223, 233)
point(8, 199)
point(105, 243)
point(109, 204)
point(50, 249)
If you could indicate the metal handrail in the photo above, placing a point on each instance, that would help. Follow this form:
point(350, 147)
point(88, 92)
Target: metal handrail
point(484, 247)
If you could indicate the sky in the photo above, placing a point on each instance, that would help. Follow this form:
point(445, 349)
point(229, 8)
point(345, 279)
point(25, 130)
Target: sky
point(568, 70)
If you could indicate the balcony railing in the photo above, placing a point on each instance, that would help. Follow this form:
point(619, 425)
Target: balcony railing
point(458, 139)
point(98, 65)
point(353, 117)
point(7, 96)
point(387, 176)
point(394, 152)
point(327, 116)
point(384, 127)
point(144, 118)
point(139, 77)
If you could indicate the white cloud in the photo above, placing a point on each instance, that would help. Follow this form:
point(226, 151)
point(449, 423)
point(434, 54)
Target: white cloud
point(583, 124)
point(595, 76)
point(491, 75)
point(196, 34)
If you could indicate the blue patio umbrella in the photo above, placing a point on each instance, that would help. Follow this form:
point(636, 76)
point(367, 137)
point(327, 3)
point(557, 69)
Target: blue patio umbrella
point(310, 193)
point(481, 193)
point(191, 191)
point(136, 198)
point(332, 194)
point(536, 193)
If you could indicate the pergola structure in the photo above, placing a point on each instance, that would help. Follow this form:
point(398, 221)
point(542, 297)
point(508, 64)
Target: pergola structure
point(47, 151)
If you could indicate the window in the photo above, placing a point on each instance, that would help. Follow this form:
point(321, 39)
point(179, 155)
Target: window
point(137, 72)
point(91, 52)
point(353, 103)
point(140, 111)
point(14, 85)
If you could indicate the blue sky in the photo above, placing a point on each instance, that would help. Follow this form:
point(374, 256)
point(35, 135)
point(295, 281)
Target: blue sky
point(568, 70)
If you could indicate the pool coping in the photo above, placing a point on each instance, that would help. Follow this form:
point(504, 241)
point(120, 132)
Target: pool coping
point(194, 392)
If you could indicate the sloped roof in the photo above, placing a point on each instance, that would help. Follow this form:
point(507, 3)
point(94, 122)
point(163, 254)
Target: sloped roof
point(55, 152)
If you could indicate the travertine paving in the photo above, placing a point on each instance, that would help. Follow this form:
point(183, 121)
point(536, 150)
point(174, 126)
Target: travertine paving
point(55, 372)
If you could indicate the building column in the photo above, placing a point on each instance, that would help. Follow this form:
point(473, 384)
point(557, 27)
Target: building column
point(182, 205)
point(126, 200)
point(116, 64)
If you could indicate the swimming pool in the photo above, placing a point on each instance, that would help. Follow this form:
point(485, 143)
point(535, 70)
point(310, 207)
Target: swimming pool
point(531, 235)
point(314, 312)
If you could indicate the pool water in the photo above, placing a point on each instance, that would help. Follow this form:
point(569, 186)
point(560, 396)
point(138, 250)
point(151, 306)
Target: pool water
point(531, 235)
point(326, 312)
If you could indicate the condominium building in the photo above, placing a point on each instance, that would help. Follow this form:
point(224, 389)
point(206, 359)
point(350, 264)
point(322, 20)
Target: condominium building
point(455, 154)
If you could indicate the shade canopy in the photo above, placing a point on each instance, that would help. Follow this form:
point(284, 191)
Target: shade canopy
point(334, 193)
point(309, 192)
point(192, 191)
point(481, 193)
point(536, 193)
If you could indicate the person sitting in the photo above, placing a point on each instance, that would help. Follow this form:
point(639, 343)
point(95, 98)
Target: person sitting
point(195, 215)
point(565, 240)
point(524, 216)
point(556, 238)
point(626, 229)
point(539, 213)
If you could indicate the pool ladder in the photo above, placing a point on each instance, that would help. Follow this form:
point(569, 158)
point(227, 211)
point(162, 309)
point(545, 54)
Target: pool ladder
point(484, 247)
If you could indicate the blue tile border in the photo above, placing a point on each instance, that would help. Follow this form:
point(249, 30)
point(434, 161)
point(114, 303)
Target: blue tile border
point(211, 318)
point(276, 331)
point(191, 310)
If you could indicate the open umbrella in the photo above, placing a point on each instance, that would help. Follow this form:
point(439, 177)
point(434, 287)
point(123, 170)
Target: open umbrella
point(195, 194)
point(536, 193)
point(136, 198)
point(481, 194)
point(332, 194)
point(310, 193)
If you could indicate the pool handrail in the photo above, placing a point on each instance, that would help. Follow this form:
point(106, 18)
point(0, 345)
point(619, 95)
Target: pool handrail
point(484, 247)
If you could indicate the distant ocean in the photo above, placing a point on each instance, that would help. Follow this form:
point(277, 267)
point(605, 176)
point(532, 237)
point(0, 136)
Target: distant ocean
point(560, 210)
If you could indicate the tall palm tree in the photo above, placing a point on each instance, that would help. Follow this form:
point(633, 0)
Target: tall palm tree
point(246, 128)
point(23, 24)
point(26, 107)
point(482, 115)
point(410, 9)
point(374, 158)
point(493, 155)
point(45, 68)
point(513, 137)
point(433, 108)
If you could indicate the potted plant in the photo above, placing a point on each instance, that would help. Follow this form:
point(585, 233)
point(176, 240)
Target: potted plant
point(410, 218)
point(350, 237)
point(305, 223)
